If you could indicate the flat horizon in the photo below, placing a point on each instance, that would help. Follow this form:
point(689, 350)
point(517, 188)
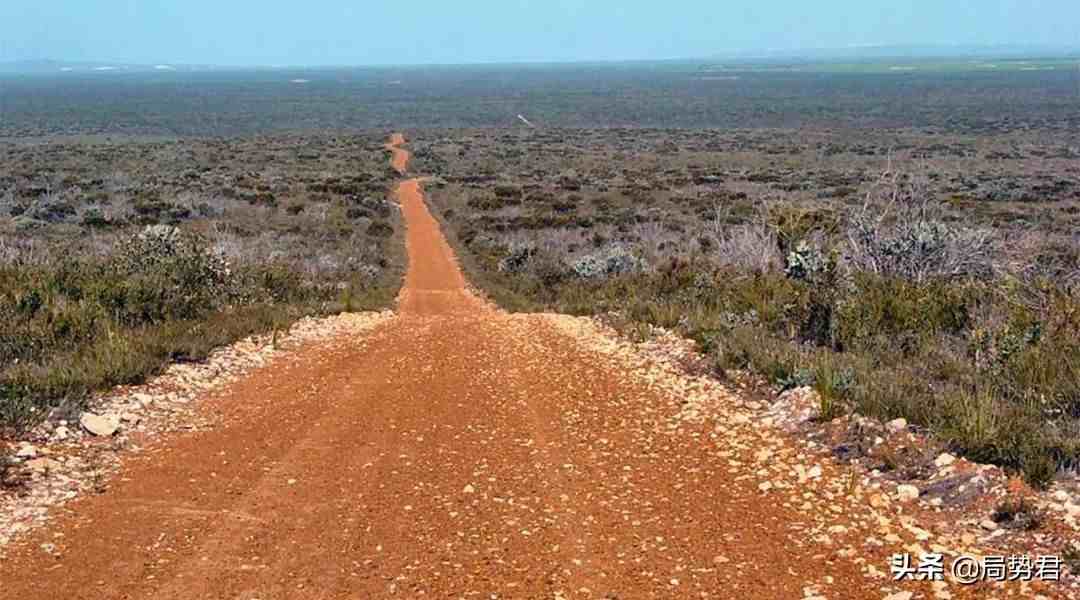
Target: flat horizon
point(823, 54)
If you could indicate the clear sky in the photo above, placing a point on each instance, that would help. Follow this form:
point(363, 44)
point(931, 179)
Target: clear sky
point(355, 32)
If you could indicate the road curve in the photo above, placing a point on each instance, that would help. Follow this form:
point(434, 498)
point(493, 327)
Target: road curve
point(399, 157)
point(454, 452)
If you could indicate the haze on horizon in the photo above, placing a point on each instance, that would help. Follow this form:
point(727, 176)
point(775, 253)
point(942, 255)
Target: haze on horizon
point(339, 32)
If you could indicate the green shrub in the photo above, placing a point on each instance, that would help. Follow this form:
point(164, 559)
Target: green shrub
point(76, 326)
point(880, 314)
point(610, 262)
point(834, 387)
point(517, 258)
point(380, 229)
point(821, 273)
point(164, 273)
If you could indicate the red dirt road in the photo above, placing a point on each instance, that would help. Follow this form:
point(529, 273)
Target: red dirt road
point(399, 157)
point(454, 452)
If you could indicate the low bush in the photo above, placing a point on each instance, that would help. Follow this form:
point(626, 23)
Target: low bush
point(903, 234)
point(517, 258)
point(1018, 513)
point(380, 229)
point(612, 261)
point(75, 325)
point(890, 310)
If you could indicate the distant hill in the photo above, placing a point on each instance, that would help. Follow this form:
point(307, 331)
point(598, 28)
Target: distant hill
point(907, 51)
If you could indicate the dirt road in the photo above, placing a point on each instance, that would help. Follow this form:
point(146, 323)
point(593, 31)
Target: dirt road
point(399, 157)
point(457, 452)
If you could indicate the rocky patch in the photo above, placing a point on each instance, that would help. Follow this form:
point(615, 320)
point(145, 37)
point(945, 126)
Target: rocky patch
point(866, 488)
point(64, 458)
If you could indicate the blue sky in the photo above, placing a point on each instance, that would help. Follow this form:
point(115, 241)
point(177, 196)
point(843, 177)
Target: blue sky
point(337, 32)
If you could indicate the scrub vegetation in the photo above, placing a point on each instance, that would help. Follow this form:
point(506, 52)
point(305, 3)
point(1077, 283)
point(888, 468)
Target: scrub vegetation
point(116, 259)
point(906, 277)
point(905, 241)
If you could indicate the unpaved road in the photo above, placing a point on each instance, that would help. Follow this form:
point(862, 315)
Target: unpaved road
point(454, 452)
point(399, 157)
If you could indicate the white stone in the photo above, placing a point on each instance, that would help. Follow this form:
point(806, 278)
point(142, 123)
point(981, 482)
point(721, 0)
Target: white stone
point(26, 451)
point(143, 399)
point(944, 459)
point(907, 493)
point(99, 425)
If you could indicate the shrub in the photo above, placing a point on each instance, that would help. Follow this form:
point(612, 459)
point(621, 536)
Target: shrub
point(94, 217)
point(507, 192)
point(85, 308)
point(904, 235)
point(1039, 468)
point(380, 229)
point(808, 263)
point(789, 380)
point(548, 269)
point(494, 201)
point(819, 271)
point(1018, 513)
point(517, 258)
point(26, 223)
point(880, 315)
point(793, 224)
point(159, 247)
point(163, 272)
point(17, 410)
point(51, 208)
point(75, 325)
point(891, 310)
point(753, 248)
point(7, 201)
point(612, 261)
point(833, 387)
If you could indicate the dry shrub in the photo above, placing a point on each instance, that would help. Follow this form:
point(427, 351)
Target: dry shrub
point(752, 247)
point(901, 231)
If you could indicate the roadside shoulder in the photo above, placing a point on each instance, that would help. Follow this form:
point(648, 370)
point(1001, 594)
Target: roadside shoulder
point(65, 458)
